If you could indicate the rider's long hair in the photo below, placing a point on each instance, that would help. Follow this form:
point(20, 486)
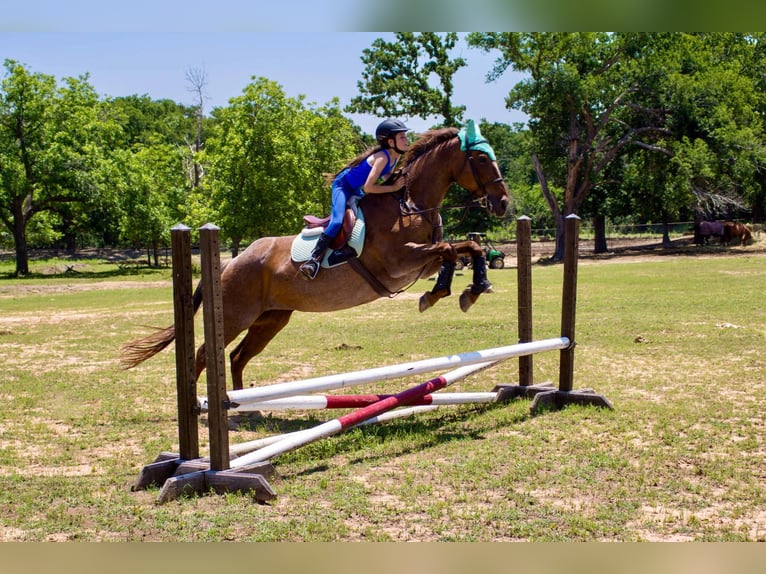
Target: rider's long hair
point(361, 157)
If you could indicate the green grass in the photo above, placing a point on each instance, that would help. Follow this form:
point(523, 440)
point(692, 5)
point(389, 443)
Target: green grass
point(675, 343)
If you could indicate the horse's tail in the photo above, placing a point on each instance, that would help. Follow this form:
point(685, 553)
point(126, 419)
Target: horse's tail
point(139, 350)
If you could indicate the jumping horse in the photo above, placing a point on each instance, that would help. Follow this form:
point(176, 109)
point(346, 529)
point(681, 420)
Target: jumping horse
point(262, 286)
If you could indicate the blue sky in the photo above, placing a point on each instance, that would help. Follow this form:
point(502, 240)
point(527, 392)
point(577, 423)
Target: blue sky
point(319, 65)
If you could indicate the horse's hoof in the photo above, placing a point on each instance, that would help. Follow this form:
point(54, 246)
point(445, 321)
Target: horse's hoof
point(467, 298)
point(424, 303)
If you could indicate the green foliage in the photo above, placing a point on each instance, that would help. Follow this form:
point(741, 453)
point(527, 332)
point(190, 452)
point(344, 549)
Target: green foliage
point(398, 79)
point(648, 126)
point(266, 156)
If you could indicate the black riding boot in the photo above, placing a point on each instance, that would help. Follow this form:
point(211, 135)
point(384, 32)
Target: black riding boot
point(311, 267)
point(480, 281)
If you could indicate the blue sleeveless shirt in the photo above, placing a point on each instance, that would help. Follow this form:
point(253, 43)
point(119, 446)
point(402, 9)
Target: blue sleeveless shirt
point(356, 177)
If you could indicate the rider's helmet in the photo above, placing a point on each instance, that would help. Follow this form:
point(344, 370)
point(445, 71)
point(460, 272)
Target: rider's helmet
point(388, 129)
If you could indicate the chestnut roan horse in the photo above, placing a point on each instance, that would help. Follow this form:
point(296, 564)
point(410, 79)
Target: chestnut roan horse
point(262, 287)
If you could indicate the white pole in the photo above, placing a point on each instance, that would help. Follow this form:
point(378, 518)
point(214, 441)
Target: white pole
point(279, 390)
point(319, 402)
point(335, 426)
point(249, 446)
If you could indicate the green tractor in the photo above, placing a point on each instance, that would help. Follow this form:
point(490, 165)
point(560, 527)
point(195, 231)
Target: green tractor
point(495, 257)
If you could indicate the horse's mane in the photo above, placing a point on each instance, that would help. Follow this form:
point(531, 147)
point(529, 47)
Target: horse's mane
point(428, 141)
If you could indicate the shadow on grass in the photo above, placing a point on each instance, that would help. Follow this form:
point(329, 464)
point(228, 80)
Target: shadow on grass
point(71, 273)
point(404, 436)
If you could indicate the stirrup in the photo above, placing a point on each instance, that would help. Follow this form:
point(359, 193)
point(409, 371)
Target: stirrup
point(310, 269)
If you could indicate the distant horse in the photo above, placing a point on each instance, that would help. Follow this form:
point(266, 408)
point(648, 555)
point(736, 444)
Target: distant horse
point(710, 229)
point(262, 287)
point(732, 229)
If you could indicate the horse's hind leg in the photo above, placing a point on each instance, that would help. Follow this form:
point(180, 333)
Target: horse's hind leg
point(259, 334)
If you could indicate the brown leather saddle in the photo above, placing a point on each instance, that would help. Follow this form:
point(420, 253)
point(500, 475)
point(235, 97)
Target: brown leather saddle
point(349, 219)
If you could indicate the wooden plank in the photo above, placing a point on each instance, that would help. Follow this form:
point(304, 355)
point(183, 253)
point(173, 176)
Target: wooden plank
point(560, 399)
point(212, 307)
point(524, 298)
point(508, 392)
point(155, 473)
point(186, 383)
point(569, 301)
point(176, 486)
point(231, 481)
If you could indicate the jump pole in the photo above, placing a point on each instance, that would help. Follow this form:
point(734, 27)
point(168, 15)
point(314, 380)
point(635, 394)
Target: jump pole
point(321, 402)
point(354, 378)
point(249, 446)
point(345, 422)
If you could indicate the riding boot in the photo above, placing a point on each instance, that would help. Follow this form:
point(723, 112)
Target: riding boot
point(444, 280)
point(311, 267)
point(480, 281)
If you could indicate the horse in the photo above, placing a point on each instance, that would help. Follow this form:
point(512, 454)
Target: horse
point(708, 229)
point(732, 229)
point(262, 286)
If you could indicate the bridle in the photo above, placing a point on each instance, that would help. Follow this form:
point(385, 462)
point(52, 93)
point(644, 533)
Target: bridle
point(482, 200)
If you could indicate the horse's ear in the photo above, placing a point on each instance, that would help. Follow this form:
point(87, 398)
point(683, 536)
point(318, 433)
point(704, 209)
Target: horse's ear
point(470, 132)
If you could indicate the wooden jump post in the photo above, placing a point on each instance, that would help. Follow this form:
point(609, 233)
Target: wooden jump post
point(545, 395)
point(185, 472)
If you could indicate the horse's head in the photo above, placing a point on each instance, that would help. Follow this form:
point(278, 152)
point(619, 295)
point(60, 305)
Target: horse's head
point(480, 174)
point(443, 156)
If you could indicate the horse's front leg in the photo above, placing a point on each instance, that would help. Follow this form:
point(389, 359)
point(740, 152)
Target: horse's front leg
point(480, 283)
point(442, 288)
point(443, 285)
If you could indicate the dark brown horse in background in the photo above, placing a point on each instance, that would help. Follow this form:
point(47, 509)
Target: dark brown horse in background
point(262, 287)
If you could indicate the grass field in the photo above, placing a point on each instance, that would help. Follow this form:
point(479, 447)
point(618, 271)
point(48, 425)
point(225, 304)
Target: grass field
point(674, 342)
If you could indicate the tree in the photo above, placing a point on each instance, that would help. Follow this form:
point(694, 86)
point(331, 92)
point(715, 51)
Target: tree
point(49, 148)
point(397, 82)
point(197, 80)
point(151, 185)
point(267, 155)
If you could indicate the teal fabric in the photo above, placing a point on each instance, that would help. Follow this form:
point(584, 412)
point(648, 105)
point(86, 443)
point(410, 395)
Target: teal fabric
point(471, 139)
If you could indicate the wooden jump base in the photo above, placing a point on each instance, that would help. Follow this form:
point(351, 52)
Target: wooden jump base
point(245, 467)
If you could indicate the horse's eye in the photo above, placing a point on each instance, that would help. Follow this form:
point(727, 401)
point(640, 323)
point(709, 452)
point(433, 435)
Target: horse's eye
point(483, 159)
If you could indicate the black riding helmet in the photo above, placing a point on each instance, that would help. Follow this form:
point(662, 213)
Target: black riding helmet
point(388, 129)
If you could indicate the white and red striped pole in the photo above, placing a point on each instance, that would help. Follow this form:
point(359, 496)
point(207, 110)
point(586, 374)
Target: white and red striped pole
point(320, 402)
point(329, 382)
point(300, 438)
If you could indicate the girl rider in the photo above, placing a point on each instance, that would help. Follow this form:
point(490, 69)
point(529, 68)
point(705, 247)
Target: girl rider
point(361, 175)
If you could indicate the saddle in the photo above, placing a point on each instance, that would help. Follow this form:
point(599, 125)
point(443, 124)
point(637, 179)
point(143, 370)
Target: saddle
point(315, 226)
point(348, 243)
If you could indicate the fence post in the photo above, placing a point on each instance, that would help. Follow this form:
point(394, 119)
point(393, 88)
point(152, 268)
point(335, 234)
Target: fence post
point(186, 384)
point(212, 307)
point(524, 296)
point(569, 300)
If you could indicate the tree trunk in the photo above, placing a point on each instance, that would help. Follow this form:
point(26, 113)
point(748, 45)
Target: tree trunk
point(665, 230)
point(20, 238)
point(599, 229)
point(234, 247)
